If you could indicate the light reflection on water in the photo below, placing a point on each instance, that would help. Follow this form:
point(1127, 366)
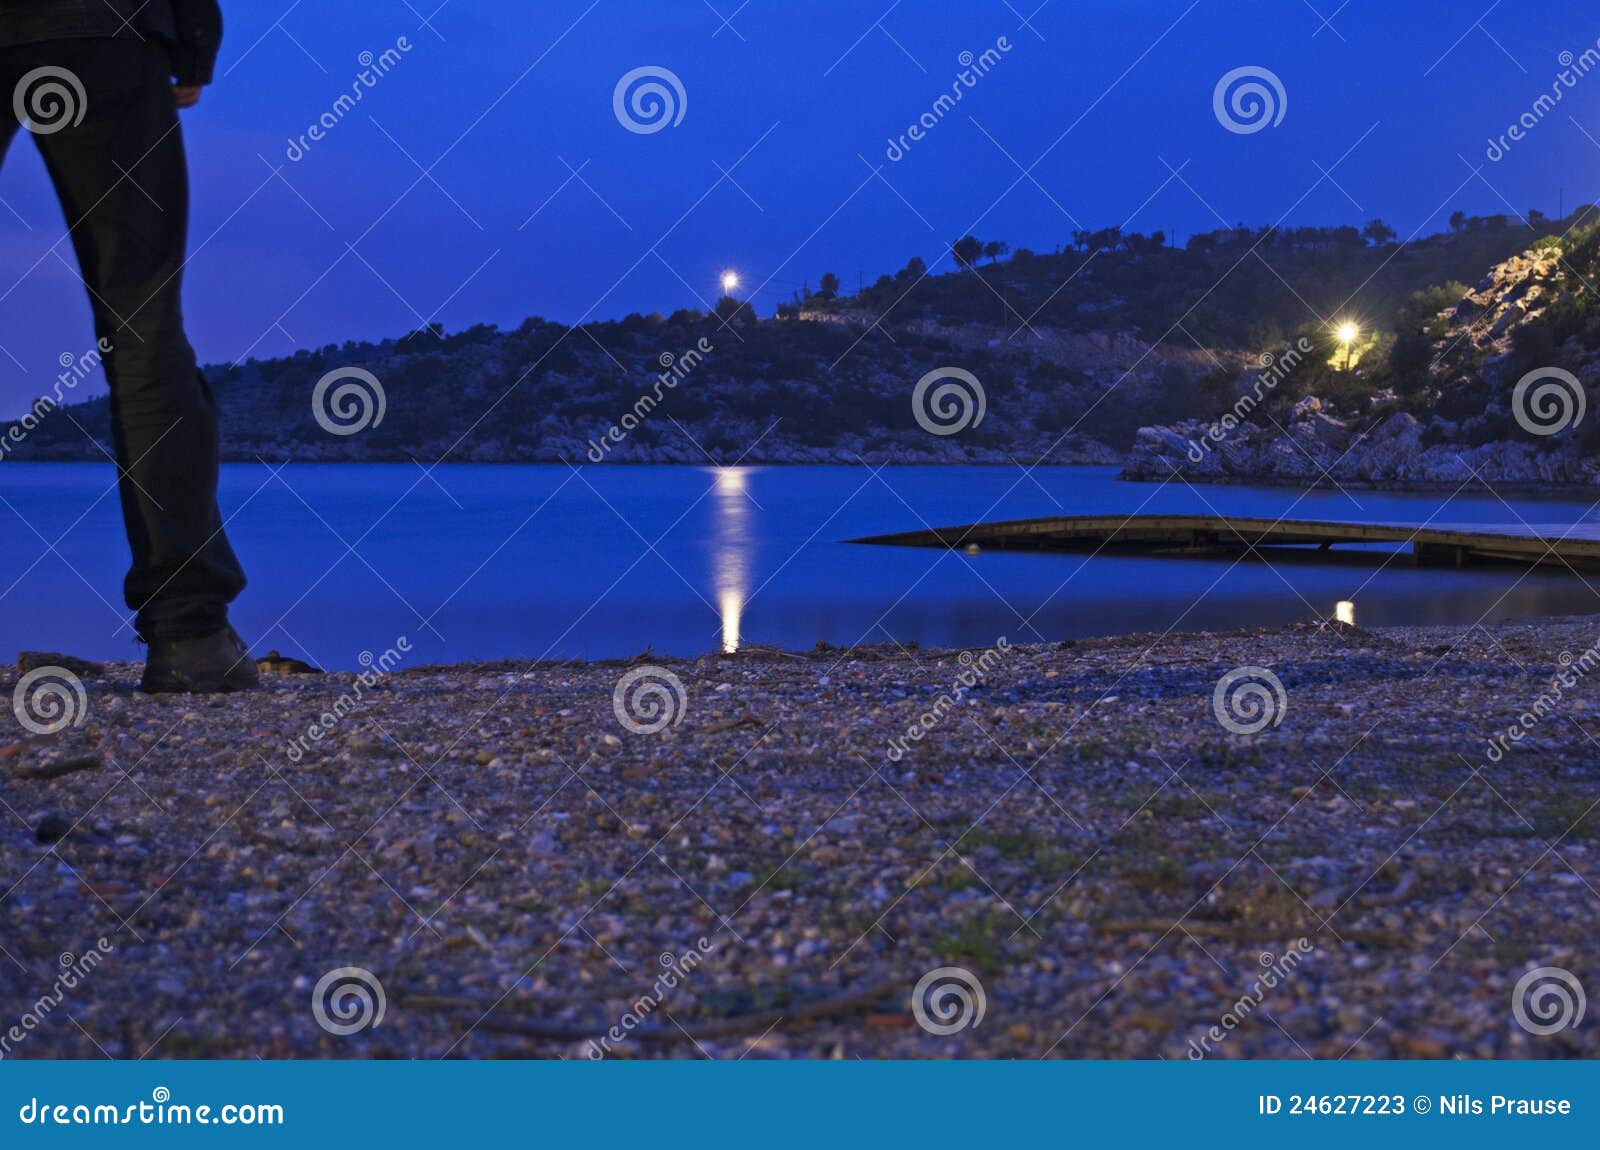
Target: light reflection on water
point(731, 563)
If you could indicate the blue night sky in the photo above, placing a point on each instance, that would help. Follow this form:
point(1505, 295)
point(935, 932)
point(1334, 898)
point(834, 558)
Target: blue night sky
point(500, 101)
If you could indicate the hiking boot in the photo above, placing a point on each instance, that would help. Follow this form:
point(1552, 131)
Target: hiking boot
point(217, 662)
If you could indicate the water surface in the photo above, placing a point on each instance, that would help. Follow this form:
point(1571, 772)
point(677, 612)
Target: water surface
point(478, 561)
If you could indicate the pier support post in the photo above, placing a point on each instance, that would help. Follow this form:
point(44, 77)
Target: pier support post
point(1439, 554)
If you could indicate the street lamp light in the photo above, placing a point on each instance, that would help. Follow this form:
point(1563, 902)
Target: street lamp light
point(1347, 333)
point(730, 280)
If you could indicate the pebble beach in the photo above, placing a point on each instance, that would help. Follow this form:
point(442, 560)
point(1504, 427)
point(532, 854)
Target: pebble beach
point(1138, 847)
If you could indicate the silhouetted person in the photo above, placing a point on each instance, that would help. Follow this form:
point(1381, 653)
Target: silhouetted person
point(98, 84)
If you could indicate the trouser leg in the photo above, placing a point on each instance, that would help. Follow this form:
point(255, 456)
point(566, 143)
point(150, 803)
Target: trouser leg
point(122, 179)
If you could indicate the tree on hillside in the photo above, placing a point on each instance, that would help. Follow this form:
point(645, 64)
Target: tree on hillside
point(968, 250)
point(1422, 322)
point(1379, 233)
point(915, 269)
point(994, 249)
point(1458, 220)
point(1138, 243)
point(828, 286)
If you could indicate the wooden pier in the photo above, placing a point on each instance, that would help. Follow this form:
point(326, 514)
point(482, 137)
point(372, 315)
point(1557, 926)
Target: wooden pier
point(1449, 546)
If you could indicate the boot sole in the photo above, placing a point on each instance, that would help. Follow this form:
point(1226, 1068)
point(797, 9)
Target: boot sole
point(174, 684)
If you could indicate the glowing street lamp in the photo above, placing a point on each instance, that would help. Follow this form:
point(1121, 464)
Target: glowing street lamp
point(730, 280)
point(1348, 333)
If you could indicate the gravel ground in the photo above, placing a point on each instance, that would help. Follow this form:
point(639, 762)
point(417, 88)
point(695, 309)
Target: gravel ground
point(514, 870)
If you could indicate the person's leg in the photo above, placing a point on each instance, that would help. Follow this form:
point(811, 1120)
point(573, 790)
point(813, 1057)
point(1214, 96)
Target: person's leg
point(10, 73)
point(122, 180)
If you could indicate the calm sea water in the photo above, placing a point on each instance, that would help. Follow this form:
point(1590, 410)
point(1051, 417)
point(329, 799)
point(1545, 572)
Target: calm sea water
point(477, 561)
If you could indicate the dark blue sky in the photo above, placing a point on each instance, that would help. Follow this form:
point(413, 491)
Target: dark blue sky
point(793, 101)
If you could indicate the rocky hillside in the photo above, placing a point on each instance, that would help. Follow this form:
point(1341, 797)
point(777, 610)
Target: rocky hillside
point(1496, 381)
point(680, 389)
point(1009, 359)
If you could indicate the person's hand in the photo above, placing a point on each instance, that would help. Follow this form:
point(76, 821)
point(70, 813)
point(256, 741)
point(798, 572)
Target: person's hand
point(186, 95)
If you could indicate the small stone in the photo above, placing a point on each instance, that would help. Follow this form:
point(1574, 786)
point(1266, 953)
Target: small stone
point(33, 660)
point(52, 828)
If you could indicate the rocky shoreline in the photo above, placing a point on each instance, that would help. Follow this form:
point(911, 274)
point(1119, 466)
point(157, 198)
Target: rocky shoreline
point(509, 861)
point(1318, 449)
point(1527, 433)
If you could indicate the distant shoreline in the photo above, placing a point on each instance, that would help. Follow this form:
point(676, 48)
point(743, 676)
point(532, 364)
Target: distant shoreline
point(1320, 485)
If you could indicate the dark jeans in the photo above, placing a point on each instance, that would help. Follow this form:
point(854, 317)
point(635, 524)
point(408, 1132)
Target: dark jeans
point(123, 184)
